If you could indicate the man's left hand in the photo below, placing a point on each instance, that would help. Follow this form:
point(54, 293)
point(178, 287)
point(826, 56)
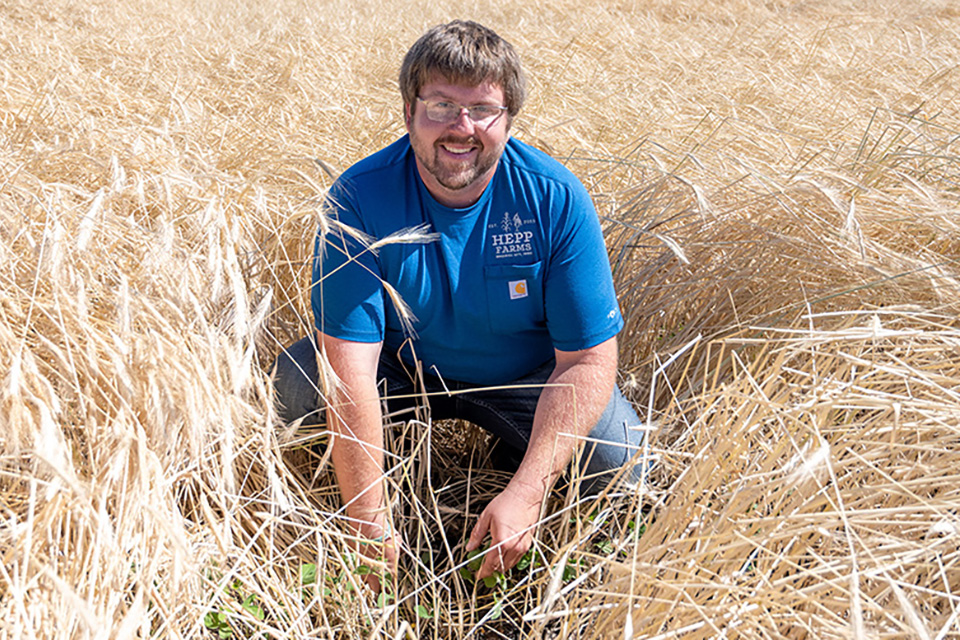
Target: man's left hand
point(510, 519)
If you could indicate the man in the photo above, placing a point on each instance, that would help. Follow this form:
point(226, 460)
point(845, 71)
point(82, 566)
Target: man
point(513, 290)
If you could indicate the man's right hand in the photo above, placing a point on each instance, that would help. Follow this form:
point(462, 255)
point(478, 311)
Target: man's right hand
point(510, 519)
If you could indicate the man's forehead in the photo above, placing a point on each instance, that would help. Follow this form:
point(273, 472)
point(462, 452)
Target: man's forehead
point(444, 85)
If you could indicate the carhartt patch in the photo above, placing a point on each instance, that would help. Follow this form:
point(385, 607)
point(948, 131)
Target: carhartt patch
point(518, 289)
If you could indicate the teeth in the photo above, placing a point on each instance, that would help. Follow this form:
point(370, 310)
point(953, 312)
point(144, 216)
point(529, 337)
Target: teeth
point(453, 149)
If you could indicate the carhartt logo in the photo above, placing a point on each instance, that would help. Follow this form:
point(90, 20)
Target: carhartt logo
point(518, 289)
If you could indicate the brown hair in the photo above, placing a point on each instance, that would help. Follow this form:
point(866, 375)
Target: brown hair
point(463, 52)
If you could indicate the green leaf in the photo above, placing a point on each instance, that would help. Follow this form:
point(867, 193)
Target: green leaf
point(216, 621)
point(384, 599)
point(211, 620)
point(363, 570)
point(497, 610)
point(531, 557)
point(250, 605)
point(474, 559)
point(423, 612)
point(605, 547)
point(466, 574)
point(490, 581)
point(308, 573)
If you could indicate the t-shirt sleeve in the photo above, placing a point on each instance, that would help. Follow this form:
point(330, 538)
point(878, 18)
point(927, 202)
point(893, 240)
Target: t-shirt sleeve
point(346, 295)
point(579, 296)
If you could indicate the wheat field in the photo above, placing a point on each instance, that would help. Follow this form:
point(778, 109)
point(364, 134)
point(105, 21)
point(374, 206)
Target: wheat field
point(779, 184)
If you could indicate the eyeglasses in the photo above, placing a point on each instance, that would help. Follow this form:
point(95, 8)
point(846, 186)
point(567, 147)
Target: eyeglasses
point(445, 112)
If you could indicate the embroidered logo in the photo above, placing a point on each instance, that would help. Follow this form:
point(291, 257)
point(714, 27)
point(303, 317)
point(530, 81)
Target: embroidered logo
point(518, 289)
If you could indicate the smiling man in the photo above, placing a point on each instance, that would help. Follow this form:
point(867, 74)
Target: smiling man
point(514, 314)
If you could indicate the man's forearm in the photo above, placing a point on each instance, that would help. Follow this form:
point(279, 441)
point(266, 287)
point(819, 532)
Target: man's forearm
point(356, 421)
point(576, 394)
point(358, 456)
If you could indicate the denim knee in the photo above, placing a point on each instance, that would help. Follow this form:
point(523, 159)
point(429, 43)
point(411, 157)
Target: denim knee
point(296, 382)
point(613, 442)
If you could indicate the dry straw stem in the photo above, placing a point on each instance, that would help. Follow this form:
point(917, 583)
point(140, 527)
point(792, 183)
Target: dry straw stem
point(819, 478)
point(779, 184)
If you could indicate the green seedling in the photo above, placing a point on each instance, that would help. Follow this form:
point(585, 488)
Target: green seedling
point(308, 579)
point(251, 606)
point(605, 547)
point(497, 580)
point(639, 531)
point(530, 558)
point(474, 560)
point(497, 610)
point(501, 581)
point(571, 568)
point(217, 620)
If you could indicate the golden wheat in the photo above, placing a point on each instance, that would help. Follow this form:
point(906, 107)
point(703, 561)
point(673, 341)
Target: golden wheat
point(779, 185)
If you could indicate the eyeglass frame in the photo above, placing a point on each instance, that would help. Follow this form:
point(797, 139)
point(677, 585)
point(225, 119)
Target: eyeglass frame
point(498, 111)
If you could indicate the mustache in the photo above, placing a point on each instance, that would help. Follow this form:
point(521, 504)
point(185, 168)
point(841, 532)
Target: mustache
point(469, 140)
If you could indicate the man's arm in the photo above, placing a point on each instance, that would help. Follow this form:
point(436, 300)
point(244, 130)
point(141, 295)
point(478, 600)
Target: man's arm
point(576, 394)
point(355, 419)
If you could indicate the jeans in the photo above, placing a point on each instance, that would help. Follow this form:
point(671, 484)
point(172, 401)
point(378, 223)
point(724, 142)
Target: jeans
point(505, 412)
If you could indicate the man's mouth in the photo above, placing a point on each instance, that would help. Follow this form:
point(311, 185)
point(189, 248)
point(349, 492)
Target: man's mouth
point(457, 148)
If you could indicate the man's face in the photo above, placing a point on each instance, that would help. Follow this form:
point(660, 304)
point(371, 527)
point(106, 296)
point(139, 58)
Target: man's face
point(456, 160)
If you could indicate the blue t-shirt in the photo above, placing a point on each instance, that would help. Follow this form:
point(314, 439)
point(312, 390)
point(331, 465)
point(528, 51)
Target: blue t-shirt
point(522, 271)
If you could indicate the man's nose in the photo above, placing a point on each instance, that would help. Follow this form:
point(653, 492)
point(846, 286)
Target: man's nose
point(463, 122)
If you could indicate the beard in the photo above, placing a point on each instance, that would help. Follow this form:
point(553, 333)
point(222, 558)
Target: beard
point(451, 173)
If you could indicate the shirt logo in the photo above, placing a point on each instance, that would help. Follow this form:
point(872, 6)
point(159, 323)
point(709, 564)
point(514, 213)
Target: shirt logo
point(510, 238)
point(518, 289)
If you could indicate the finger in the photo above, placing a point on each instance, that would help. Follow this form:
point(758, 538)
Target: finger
point(479, 532)
point(492, 563)
point(373, 582)
point(508, 554)
point(372, 555)
point(391, 555)
point(512, 555)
